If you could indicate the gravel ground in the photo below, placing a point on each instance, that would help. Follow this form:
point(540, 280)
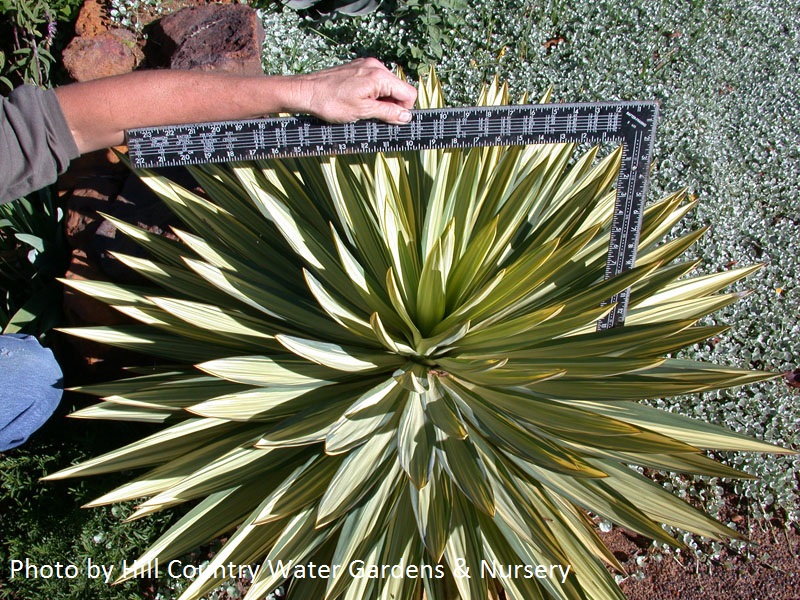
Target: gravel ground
point(770, 571)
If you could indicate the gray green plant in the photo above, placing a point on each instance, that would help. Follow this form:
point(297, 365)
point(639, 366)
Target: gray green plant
point(393, 358)
point(129, 13)
point(438, 23)
point(417, 32)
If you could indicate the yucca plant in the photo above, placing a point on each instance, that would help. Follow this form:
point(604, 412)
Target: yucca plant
point(394, 359)
point(321, 8)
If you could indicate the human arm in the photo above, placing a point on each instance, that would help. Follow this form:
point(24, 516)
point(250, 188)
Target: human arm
point(35, 142)
point(99, 111)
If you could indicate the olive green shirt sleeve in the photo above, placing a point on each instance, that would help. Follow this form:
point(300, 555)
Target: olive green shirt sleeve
point(36, 144)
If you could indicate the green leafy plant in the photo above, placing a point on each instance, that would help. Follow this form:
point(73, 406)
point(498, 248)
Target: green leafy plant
point(438, 23)
point(33, 253)
point(46, 524)
point(4, 80)
point(414, 33)
point(394, 359)
point(29, 37)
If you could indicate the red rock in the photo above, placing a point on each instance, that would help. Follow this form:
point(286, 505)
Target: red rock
point(216, 37)
point(92, 19)
point(82, 309)
point(792, 378)
point(89, 185)
point(113, 52)
point(81, 218)
point(87, 358)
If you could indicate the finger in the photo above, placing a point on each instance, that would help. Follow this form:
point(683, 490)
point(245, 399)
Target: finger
point(402, 93)
point(398, 91)
point(370, 62)
point(388, 111)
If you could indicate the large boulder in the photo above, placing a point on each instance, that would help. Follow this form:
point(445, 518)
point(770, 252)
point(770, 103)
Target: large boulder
point(215, 37)
point(111, 52)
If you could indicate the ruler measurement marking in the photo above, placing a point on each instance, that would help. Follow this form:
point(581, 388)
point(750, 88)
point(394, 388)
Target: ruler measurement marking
point(631, 124)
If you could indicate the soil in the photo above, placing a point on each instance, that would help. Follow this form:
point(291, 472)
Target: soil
point(771, 572)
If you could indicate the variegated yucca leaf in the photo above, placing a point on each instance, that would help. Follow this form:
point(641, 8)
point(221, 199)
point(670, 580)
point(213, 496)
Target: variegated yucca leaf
point(394, 359)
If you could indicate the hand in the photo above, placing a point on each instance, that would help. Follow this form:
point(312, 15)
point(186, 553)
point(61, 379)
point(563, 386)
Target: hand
point(362, 89)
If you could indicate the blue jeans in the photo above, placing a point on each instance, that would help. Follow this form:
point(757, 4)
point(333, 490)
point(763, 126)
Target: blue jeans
point(30, 388)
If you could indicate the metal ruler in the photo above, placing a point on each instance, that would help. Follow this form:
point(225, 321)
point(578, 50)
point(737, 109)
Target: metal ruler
point(631, 124)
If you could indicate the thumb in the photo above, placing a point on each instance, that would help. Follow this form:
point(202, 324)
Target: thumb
point(390, 112)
